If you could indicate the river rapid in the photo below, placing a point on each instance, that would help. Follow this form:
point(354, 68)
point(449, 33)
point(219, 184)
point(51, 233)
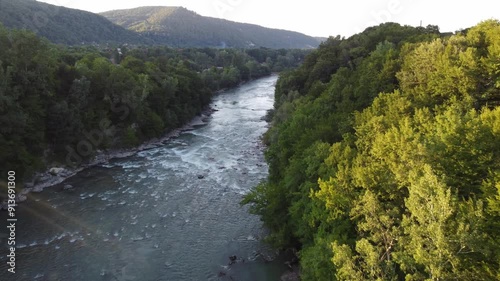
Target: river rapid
point(168, 213)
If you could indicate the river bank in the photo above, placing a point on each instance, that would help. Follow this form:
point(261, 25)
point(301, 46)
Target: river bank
point(58, 174)
point(150, 217)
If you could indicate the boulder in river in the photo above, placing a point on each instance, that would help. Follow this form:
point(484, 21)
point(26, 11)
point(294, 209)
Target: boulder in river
point(200, 177)
point(232, 260)
point(56, 171)
point(67, 186)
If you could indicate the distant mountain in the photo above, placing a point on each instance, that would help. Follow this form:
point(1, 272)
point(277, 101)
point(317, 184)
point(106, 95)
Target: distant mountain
point(64, 25)
point(172, 26)
point(177, 26)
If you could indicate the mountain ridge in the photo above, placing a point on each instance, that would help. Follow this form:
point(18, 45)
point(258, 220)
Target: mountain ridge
point(150, 25)
point(64, 25)
point(181, 27)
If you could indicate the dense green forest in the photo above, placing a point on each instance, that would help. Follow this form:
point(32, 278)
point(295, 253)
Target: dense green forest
point(177, 26)
point(52, 97)
point(384, 157)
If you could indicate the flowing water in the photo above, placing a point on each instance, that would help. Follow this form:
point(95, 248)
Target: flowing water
point(150, 216)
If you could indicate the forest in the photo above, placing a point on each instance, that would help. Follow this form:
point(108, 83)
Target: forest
point(52, 97)
point(384, 157)
point(180, 27)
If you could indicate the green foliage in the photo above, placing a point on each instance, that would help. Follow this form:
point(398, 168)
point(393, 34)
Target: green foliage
point(179, 27)
point(408, 189)
point(151, 125)
point(130, 138)
point(55, 100)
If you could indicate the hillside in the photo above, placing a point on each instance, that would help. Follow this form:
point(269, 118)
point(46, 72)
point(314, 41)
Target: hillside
point(172, 26)
point(177, 26)
point(50, 97)
point(384, 157)
point(62, 25)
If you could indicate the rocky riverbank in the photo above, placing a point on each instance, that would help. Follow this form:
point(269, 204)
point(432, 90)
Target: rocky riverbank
point(56, 175)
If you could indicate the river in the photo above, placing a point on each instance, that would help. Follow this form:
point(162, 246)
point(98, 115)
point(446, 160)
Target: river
point(168, 213)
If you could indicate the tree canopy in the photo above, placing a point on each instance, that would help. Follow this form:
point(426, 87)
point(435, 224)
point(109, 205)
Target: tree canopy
point(384, 157)
point(60, 104)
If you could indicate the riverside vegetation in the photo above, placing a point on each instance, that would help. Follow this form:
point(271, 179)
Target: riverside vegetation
point(52, 97)
point(384, 157)
point(383, 152)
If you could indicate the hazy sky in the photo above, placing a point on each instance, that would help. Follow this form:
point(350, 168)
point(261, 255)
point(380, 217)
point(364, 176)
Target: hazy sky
point(320, 17)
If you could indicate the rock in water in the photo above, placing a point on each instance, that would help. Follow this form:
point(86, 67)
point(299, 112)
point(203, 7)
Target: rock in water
point(56, 171)
point(232, 260)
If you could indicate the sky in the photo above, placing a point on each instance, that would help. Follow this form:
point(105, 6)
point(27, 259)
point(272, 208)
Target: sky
point(320, 17)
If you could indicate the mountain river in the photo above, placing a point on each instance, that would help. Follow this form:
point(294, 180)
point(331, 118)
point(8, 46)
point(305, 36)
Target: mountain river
point(168, 213)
